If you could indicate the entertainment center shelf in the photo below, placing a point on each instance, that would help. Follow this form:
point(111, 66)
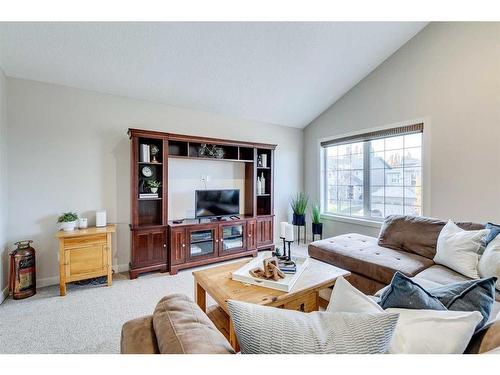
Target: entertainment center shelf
point(164, 244)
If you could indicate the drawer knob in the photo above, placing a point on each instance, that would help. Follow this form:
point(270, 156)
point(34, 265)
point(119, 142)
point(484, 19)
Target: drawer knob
point(183, 245)
point(164, 245)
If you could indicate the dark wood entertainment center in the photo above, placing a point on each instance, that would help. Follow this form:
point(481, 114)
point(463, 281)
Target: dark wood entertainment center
point(159, 244)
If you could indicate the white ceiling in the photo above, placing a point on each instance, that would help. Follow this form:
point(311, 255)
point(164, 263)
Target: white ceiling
point(281, 73)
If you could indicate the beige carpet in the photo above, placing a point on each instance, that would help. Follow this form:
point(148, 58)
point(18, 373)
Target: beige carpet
point(89, 318)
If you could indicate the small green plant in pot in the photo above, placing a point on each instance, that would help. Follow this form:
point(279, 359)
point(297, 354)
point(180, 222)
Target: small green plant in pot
point(299, 205)
point(68, 221)
point(317, 225)
point(153, 185)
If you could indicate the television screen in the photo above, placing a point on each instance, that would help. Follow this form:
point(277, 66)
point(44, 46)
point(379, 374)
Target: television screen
point(217, 202)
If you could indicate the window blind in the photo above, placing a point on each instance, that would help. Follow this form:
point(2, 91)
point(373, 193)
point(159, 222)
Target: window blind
point(393, 132)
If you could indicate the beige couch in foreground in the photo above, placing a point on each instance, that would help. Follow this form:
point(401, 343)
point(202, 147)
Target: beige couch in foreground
point(179, 326)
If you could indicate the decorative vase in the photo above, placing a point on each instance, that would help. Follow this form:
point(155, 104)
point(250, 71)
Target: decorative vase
point(317, 228)
point(153, 190)
point(68, 226)
point(299, 220)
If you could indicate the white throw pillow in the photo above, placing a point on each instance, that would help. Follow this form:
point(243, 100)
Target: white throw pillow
point(489, 264)
point(458, 249)
point(417, 331)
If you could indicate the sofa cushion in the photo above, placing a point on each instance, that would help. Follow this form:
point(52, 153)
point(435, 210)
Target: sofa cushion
point(415, 234)
point(441, 275)
point(362, 255)
point(181, 327)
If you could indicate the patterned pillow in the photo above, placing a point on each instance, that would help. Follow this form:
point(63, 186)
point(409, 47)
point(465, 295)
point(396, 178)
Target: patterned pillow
point(269, 330)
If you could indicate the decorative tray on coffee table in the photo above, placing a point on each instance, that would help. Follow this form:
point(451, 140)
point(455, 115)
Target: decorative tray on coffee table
point(285, 285)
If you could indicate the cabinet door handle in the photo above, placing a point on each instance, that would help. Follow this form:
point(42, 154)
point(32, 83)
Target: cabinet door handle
point(249, 235)
point(183, 245)
point(222, 240)
point(217, 240)
point(164, 245)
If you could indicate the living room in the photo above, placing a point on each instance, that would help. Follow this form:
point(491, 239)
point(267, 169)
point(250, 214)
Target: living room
point(333, 177)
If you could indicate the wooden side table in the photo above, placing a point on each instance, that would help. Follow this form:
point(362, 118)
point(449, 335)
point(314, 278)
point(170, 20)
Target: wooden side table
point(84, 254)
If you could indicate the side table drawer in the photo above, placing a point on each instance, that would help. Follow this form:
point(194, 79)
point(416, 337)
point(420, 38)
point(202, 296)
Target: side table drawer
point(84, 241)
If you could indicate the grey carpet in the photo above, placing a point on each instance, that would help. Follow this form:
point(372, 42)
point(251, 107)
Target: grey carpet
point(89, 318)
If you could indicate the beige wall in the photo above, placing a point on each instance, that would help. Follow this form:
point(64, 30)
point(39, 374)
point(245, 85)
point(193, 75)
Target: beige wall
point(68, 150)
point(185, 178)
point(3, 187)
point(448, 75)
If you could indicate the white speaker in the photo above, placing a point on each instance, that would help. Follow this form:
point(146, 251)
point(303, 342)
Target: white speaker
point(100, 218)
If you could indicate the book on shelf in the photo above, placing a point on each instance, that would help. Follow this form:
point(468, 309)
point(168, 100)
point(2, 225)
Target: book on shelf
point(148, 195)
point(144, 153)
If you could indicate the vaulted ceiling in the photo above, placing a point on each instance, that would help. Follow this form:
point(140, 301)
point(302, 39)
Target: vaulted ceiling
point(281, 73)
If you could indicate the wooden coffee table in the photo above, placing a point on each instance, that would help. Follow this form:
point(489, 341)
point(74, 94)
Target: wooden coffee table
point(217, 282)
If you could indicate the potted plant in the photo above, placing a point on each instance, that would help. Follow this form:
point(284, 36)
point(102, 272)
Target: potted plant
point(299, 206)
point(68, 221)
point(317, 225)
point(153, 185)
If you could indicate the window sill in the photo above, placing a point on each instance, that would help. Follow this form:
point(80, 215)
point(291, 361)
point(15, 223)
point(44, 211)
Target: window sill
point(352, 220)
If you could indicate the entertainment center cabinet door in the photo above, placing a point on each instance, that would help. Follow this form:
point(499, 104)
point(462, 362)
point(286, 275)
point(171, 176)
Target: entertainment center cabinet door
point(265, 231)
point(202, 242)
point(149, 248)
point(177, 246)
point(251, 235)
point(232, 237)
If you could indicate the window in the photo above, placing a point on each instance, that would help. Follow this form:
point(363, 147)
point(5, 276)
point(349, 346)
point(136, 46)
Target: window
point(374, 175)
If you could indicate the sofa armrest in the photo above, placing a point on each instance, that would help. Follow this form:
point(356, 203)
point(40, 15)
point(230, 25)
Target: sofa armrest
point(138, 337)
point(181, 327)
point(487, 339)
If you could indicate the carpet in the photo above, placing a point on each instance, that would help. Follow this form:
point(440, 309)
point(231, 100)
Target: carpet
point(89, 318)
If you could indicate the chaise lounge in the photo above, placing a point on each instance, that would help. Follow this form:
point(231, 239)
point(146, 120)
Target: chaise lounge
point(406, 244)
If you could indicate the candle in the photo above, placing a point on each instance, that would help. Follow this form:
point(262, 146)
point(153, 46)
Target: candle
point(289, 232)
point(283, 225)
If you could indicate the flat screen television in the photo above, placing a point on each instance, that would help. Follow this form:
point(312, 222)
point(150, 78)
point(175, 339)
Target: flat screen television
point(217, 203)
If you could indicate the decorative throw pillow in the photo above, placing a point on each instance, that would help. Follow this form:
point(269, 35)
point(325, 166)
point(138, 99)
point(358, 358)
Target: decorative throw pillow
point(269, 330)
point(489, 264)
point(417, 331)
point(406, 294)
point(494, 231)
point(458, 249)
point(473, 295)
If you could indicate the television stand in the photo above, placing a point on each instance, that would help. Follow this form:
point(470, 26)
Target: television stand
point(194, 244)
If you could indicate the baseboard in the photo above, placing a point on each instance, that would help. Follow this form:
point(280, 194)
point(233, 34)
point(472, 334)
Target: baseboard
point(47, 281)
point(5, 294)
point(121, 267)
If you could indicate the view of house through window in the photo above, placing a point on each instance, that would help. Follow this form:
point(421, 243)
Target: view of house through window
point(374, 178)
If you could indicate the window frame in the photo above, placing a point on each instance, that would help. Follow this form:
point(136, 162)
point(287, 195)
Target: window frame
point(366, 220)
